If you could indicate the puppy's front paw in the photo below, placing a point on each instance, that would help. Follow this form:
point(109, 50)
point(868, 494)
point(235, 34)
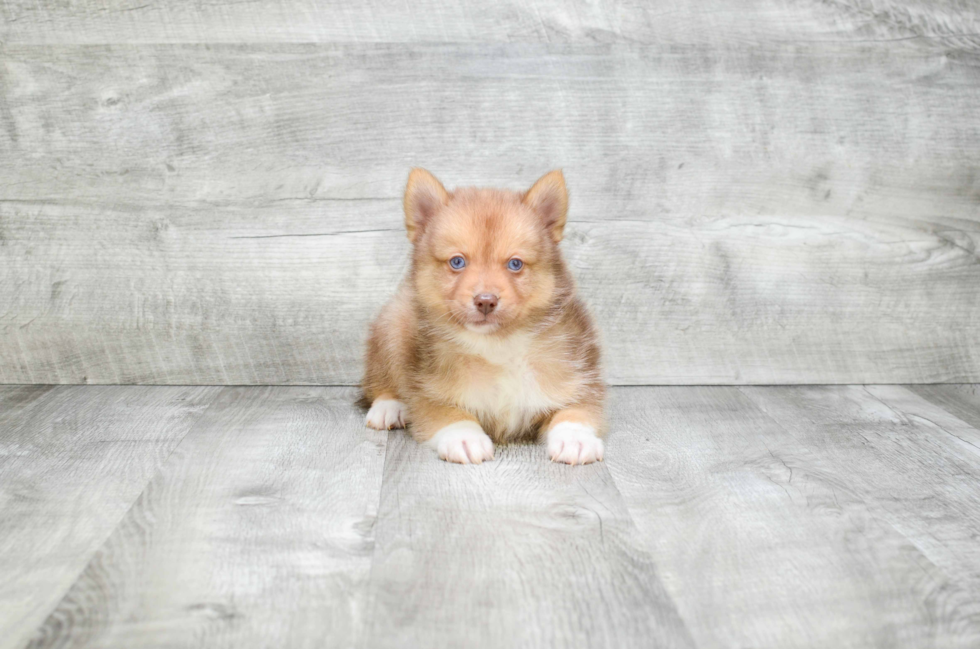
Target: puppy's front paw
point(386, 414)
point(574, 443)
point(463, 442)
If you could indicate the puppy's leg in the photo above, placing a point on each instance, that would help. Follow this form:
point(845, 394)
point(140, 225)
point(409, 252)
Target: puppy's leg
point(387, 350)
point(455, 434)
point(380, 381)
point(572, 435)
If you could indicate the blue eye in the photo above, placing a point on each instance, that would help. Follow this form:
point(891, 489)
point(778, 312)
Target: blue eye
point(457, 262)
point(515, 264)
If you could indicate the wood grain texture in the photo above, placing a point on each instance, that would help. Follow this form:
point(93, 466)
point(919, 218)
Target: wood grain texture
point(838, 516)
point(159, 21)
point(942, 420)
point(740, 214)
point(518, 552)
point(762, 541)
point(911, 462)
point(256, 533)
point(72, 462)
point(963, 401)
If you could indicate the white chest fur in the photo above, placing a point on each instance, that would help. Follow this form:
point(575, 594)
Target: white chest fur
point(513, 398)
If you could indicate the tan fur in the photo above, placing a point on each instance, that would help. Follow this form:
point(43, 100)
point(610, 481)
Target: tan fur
point(530, 364)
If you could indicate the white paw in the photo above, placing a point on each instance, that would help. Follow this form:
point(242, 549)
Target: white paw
point(386, 414)
point(463, 442)
point(574, 443)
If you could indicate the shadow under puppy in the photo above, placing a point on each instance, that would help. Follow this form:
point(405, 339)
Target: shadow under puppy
point(486, 341)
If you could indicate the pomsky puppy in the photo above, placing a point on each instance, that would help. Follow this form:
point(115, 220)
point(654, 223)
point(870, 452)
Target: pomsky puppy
point(486, 341)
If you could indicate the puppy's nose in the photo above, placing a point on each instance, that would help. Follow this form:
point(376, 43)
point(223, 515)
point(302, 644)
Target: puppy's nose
point(485, 302)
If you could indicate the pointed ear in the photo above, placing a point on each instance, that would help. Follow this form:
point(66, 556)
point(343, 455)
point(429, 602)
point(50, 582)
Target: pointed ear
point(424, 196)
point(549, 198)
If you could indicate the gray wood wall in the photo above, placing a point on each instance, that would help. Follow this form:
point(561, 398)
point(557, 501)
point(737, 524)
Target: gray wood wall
point(763, 191)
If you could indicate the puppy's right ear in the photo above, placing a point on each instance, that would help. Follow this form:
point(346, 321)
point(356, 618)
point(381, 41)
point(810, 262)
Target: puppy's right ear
point(424, 196)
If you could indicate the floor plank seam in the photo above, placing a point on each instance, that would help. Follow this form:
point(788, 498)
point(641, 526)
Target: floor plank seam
point(937, 425)
point(360, 626)
point(112, 530)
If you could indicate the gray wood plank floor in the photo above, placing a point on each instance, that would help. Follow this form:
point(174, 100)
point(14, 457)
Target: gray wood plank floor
point(72, 462)
point(269, 517)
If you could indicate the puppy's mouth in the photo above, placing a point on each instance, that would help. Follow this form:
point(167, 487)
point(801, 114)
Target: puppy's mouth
point(482, 327)
point(480, 323)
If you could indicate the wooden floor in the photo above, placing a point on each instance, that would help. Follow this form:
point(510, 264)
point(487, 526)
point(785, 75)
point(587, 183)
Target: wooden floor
point(844, 516)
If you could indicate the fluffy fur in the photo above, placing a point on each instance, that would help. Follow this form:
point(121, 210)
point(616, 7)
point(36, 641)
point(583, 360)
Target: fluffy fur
point(463, 379)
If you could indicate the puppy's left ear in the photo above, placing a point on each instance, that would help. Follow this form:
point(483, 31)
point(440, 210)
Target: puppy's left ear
point(424, 197)
point(549, 198)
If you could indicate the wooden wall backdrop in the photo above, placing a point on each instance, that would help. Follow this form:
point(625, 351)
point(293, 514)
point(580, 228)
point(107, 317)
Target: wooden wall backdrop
point(763, 191)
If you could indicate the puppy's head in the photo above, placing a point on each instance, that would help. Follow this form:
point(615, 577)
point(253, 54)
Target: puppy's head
point(486, 260)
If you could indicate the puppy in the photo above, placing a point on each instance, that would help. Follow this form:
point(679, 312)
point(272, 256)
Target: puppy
point(485, 341)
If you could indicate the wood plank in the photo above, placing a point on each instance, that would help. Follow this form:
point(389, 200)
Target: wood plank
point(759, 214)
point(899, 454)
point(884, 126)
point(518, 552)
point(760, 541)
point(268, 309)
point(963, 401)
point(72, 462)
point(278, 311)
point(256, 533)
point(140, 21)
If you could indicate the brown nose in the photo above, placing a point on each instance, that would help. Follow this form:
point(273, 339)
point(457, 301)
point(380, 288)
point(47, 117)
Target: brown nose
point(485, 302)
